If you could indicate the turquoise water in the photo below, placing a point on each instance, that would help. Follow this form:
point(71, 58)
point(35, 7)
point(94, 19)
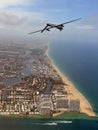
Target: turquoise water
point(7, 123)
point(79, 62)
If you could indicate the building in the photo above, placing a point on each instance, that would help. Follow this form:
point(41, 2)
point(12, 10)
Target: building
point(0, 95)
point(46, 108)
point(45, 111)
point(46, 105)
point(75, 105)
point(62, 104)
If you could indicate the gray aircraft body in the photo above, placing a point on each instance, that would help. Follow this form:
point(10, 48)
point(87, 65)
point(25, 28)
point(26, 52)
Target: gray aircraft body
point(57, 26)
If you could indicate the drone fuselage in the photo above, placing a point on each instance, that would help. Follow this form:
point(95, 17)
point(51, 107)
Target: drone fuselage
point(49, 26)
point(60, 27)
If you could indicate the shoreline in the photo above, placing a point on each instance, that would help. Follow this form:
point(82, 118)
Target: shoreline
point(85, 106)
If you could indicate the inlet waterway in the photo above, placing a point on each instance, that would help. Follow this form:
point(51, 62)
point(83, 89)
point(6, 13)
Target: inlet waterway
point(26, 71)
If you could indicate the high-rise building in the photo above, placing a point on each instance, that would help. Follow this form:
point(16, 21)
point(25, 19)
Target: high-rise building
point(74, 105)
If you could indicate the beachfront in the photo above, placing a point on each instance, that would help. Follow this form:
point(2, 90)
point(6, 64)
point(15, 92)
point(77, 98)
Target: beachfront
point(85, 106)
point(45, 92)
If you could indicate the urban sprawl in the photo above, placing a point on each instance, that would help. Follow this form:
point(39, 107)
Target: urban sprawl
point(41, 92)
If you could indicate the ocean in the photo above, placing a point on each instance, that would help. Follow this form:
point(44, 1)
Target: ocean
point(79, 62)
point(12, 123)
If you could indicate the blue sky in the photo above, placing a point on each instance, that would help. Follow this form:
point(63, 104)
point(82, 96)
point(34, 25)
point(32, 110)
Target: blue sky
point(18, 17)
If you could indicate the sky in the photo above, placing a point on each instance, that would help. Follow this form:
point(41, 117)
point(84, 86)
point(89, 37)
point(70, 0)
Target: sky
point(18, 17)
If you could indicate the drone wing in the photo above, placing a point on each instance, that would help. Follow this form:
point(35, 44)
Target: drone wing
point(35, 31)
point(49, 26)
point(71, 21)
point(42, 30)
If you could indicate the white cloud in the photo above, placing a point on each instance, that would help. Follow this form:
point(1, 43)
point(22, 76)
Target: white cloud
point(10, 19)
point(17, 16)
point(1, 26)
point(24, 22)
point(5, 3)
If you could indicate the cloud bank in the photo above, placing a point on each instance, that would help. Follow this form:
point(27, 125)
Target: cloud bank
point(11, 19)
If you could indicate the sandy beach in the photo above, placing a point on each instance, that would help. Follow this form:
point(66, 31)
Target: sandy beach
point(85, 106)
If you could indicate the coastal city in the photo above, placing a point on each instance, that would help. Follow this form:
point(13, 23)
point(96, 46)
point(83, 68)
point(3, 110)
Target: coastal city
point(48, 65)
point(41, 91)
